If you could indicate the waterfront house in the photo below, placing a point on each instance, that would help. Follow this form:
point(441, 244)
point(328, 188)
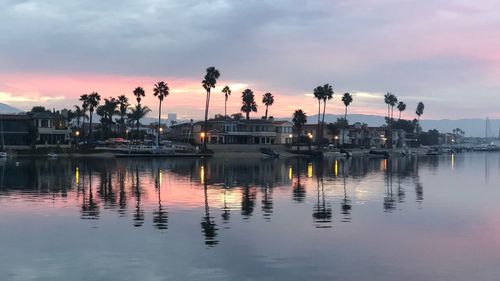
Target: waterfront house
point(16, 131)
point(52, 129)
point(232, 131)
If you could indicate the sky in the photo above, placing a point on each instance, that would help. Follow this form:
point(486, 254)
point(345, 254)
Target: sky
point(443, 53)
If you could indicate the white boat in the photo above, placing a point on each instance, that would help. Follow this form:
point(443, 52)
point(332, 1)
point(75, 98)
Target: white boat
point(149, 149)
point(53, 155)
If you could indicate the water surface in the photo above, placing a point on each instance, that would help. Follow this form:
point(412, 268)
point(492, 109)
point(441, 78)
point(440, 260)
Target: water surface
point(428, 218)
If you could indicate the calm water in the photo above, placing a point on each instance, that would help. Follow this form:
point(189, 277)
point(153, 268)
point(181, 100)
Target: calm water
point(186, 219)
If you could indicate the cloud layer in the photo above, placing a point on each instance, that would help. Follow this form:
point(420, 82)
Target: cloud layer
point(445, 53)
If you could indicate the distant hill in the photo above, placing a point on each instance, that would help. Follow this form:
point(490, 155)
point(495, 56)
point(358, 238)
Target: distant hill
point(472, 127)
point(5, 108)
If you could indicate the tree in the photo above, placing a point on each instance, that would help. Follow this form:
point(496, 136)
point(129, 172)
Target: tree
point(93, 101)
point(227, 93)
point(327, 95)
point(346, 99)
point(79, 115)
point(139, 93)
point(208, 83)
point(401, 108)
point(248, 103)
point(38, 109)
point(267, 100)
point(393, 101)
point(387, 100)
point(318, 94)
point(85, 105)
point(322, 93)
point(161, 91)
point(137, 113)
point(419, 111)
point(298, 120)
point(123, 105)
point(237, 116)
point(107, 111)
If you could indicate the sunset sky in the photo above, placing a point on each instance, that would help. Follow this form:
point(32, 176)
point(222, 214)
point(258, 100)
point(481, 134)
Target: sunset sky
point(444, 53)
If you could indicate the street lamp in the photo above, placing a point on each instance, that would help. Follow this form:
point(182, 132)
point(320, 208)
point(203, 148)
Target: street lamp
point(202, 136)
point(290, 137)
point(310, 139)
point(77, 134)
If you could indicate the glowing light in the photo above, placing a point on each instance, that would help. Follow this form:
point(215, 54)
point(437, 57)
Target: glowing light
point(290, 135)
point(160, 176)
point(202, 174)
point(290, 172)
point(202, 135)
point(77, 176)
point(161, 129)
point(336, 168)
point(309, 170)
point(77, 133)
point(453, 161)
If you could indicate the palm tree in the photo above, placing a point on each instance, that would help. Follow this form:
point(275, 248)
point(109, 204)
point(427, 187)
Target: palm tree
point(401, 108)
point(393, 102)
point(346, 99)
point(139, 93)
point(248, 101)
point(107, 111)
point(299, 119)
point(419, 111)
point(161, 91)
point(267, 100)
point(122, 108)
point(79, 115)
point(137, 113)
point(85, 105)
point(208, 83)
point(318, 94)
point(93, 101)
point(327, 95)
point(227, 93)
point(387, 100)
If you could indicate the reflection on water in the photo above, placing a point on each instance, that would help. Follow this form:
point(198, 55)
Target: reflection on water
point(236, 198)
point(133, 188)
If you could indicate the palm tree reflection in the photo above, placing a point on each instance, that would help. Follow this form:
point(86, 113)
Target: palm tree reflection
point(208, 226)
point(160, 216)
point(139, 212)
point(322, 213)
point(267, 201)
point(346, 203)
point(299, 192)
point(90, 209)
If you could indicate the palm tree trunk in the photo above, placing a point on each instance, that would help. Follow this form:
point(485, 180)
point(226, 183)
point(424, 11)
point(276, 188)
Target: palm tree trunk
point(137, 124)
point(205, 125)
point(319, 114)
point(83, 127)
point(225, 108)
point(248, 115)
point(322, 122)
point(91, 137)
point(345, 125)
point(267, 106)
point(159, 126)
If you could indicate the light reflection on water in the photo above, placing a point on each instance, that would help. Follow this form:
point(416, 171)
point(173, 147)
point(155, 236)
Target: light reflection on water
point(219, 219)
